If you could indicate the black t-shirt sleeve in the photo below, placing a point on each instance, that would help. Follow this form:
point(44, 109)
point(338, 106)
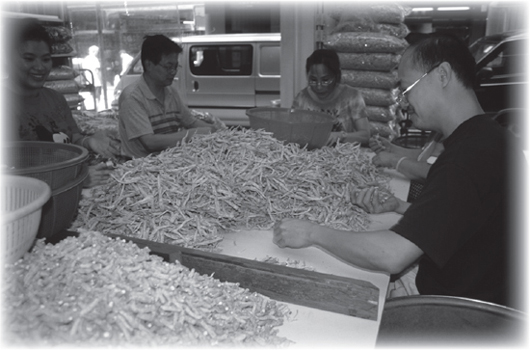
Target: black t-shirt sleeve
point(447, 213)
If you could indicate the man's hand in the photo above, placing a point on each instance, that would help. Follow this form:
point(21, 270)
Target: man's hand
point(334, 137)
point(385, 159)
point(374, 202)
point(293, 233)
point(202, 130)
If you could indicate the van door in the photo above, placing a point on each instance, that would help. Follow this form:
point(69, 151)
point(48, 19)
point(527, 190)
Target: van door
point(220, 81)
point(268, 77)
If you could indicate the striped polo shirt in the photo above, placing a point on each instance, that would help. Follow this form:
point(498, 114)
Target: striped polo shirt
point(141, 113)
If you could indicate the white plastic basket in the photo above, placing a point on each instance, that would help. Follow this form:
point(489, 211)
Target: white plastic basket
point(21, 204)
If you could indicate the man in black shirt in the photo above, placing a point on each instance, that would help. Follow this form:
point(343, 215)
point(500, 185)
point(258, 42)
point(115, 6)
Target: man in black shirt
point(463, 228)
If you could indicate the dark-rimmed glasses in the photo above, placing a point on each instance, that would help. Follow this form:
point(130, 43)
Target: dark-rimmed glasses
point(171, 68)
point(325, 82)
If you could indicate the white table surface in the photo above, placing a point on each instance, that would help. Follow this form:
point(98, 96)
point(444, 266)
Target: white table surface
point(313, 328)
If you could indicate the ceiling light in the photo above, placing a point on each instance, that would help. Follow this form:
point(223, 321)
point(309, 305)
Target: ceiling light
point(422, 9)
point(461, 8)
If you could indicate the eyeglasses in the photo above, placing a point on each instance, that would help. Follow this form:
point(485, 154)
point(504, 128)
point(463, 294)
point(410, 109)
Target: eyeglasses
point(171, 68)
point(402, 94)
point(325, 82)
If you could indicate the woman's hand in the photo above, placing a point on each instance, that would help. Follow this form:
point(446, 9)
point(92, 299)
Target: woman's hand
point(334, 137)
point(98, 174)
point(374, 202)
point(379, 144)
point(293, 233)
point(105, 143)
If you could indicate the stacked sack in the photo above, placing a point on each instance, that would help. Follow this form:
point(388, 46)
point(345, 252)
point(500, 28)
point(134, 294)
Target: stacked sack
point(62, 78)
point(369, 40)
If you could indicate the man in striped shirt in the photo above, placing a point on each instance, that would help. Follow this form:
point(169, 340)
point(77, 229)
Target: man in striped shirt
point(152, 115)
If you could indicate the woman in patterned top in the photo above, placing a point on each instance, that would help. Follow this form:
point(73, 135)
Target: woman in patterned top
point(325, 93)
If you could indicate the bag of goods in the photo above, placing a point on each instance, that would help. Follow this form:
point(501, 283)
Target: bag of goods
point(61, 48)
point(385, 130)
point(369, 61)
point(73, 99)
point(378, 97)
point(380, 114)
point(62, 73)
point(63, 86)
point(391, 13)
point(91, 122)
point(354, 42)
point(376, 80)
point(369, 40)
point(58, 33)
point(397, 30)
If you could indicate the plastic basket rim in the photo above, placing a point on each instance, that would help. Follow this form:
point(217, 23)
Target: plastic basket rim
point(83, 156)
point(12, 216)
point(73, 183)
point(451, 301)
point(327, 118)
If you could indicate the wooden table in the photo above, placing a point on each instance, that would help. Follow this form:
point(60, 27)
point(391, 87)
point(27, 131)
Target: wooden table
point(312, 327)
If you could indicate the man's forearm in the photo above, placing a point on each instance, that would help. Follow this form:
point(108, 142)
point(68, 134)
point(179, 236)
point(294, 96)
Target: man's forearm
point(384, 250)
point(413, 169)
point(160, 142)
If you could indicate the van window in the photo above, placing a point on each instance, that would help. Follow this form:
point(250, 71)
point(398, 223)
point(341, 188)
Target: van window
point(269, 60)
point(221, 60)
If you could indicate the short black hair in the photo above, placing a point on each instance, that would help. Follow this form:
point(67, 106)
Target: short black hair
point(156, 46)
point(328, 58)
point(437, 48)
point(27, 29)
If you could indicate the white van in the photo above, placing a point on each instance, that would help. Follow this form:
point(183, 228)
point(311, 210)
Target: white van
point(223, 74)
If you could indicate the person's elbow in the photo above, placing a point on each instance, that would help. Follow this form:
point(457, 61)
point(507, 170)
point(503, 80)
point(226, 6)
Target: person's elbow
point(365, 137)
point(402, 255)
point(397, 266)
point(150, 143)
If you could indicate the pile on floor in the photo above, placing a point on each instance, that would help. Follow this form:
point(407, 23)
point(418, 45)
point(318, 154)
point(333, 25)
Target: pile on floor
point(90, 122)
point(369, 39)
point(97, 291)
point(188, 195)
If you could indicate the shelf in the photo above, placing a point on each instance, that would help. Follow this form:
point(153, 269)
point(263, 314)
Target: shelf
point(42, 18)
point(61, 55)
point(95, 32)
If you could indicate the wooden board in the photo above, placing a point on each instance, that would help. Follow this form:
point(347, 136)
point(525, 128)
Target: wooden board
point(296, 286)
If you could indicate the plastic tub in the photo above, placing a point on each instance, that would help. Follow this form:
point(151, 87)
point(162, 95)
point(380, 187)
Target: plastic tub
point(59, 212)
point(412, 140)
point(21, 209)
point(306, 128)
point(443, 320)
point(54, 163)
